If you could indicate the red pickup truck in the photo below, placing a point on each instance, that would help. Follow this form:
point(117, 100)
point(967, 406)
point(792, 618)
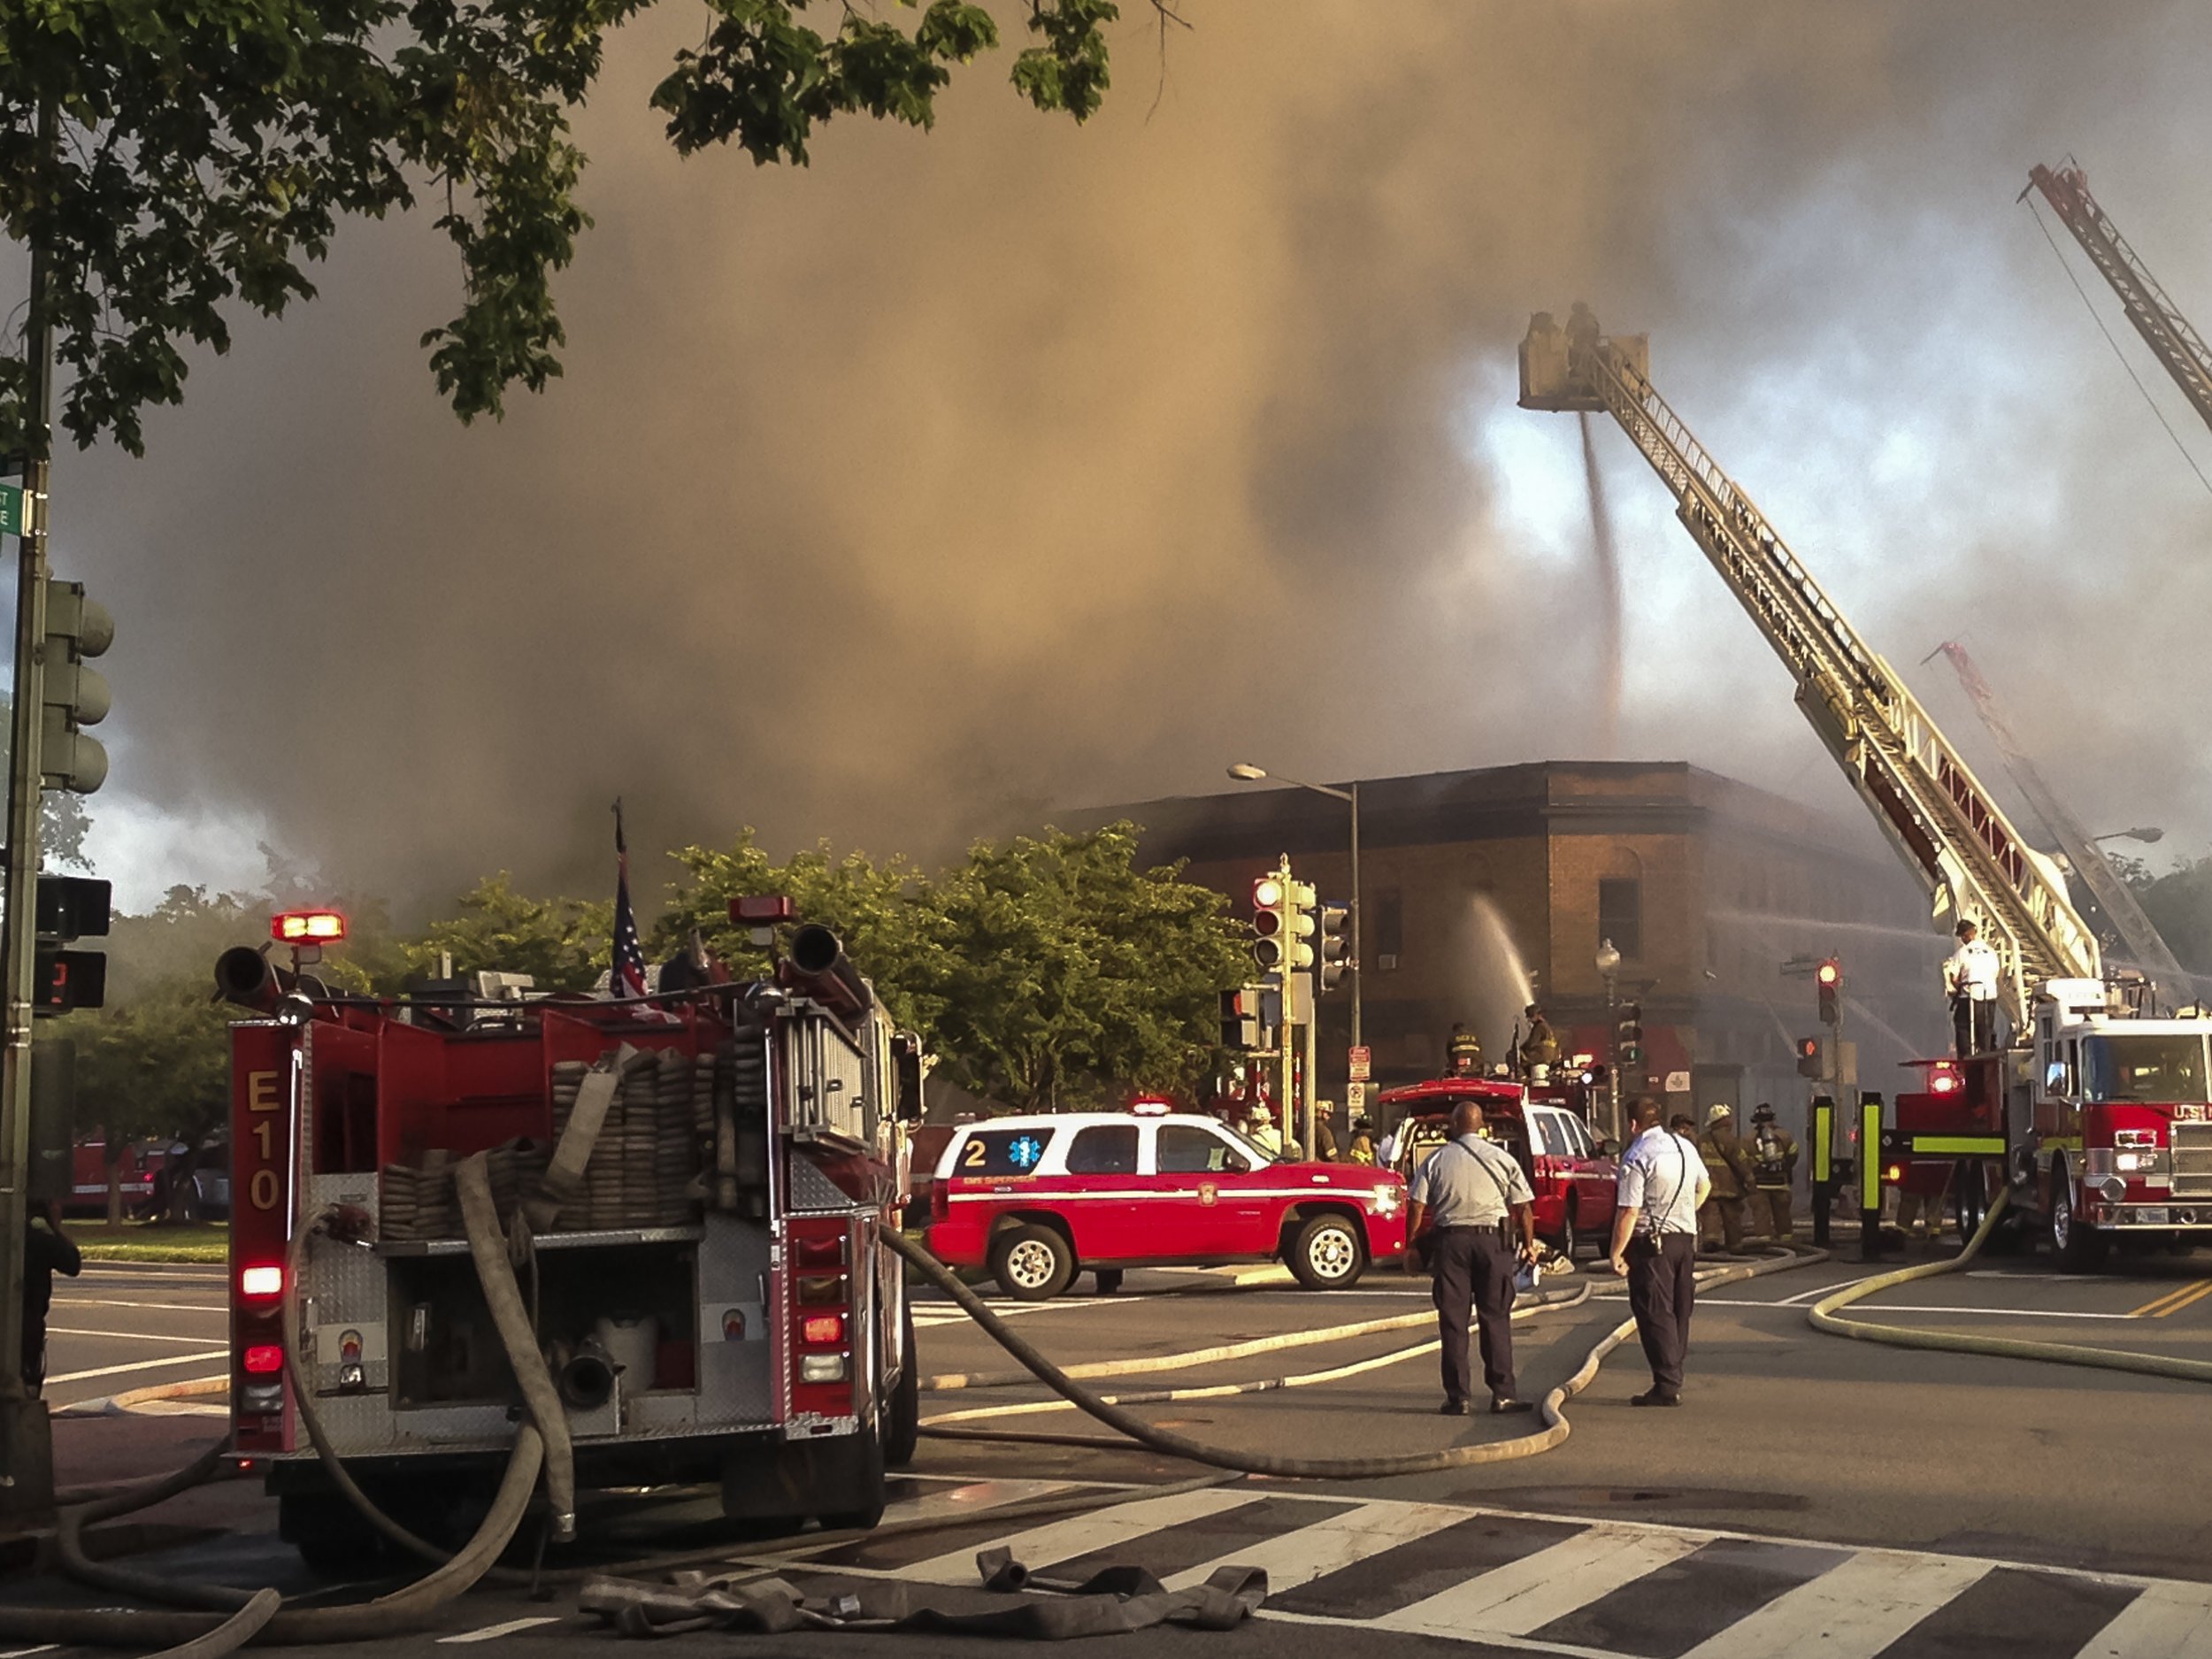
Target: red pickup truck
point(1570, 1173)
point(1038, 1200)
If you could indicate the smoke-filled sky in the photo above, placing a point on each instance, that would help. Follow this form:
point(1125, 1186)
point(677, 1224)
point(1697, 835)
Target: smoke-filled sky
point(1018, 465)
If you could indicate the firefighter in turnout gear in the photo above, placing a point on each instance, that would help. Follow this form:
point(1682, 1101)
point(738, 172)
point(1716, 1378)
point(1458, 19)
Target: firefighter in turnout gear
point(1540, 1046)
point(1730, 1167)
point(1774, 1168)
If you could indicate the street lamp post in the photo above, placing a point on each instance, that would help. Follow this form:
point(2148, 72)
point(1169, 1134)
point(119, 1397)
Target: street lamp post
point(2148, 835)
point(1608, 966)
point(1245, 772)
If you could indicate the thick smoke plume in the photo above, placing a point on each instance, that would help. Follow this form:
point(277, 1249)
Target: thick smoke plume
point(1016, 465)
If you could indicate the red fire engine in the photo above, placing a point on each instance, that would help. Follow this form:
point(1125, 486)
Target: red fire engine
point(711, 1296)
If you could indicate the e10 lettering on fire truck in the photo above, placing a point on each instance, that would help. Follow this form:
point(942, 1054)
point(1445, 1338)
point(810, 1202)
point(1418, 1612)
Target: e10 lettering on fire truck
point(693, 1185)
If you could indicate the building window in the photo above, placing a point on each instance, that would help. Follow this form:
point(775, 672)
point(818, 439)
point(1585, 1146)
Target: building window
point(1621, 913)
point(1390, 929)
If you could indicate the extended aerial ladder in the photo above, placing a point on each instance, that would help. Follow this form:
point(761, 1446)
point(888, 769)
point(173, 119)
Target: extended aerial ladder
point(1951, 831)
point(2144, 943)
point(2179, 348)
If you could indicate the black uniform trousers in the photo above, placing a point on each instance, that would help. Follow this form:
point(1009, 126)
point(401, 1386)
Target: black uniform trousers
point(1662, 1291)
point(1973, 1025)
point(1473, 1269)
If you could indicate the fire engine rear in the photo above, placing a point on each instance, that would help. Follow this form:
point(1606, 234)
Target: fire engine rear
point(692, 1188)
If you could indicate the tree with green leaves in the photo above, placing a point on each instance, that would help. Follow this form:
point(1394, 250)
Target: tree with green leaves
point(1073, 976)
point(562, 944)
point(1042, 972)
point(180, 160)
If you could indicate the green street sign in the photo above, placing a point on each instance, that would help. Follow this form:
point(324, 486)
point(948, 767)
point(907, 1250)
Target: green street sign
point(11, 509)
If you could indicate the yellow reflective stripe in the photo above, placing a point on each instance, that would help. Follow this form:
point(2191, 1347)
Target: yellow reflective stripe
point(1824, 1118)
point(1959, 1146)
point(1869, 1155)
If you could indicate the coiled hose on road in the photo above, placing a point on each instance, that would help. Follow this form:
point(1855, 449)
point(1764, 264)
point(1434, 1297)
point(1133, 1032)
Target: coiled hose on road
point(1823, 1316)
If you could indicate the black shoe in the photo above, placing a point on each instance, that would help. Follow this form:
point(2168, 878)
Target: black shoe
point(1655, 1398)
point(1454, 1409)
point(1504, 1405)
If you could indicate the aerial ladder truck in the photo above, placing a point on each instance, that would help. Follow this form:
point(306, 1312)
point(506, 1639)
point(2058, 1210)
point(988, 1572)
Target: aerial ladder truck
point(2101, 1117)
point(2179, 349)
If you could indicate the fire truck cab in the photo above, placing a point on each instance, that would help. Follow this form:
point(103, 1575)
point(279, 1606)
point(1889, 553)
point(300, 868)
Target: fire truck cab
point(2110, 1126)
point(711, 1297)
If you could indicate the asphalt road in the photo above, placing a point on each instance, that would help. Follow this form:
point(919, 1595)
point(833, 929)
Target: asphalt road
point(1849, 1497)
point(121, 1325)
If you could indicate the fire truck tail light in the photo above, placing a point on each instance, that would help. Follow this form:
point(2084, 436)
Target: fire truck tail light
point(821, 1368)
point(261, 1398)
point(822, 1290)
point(828, 1252)
point(261, 1281)
point(263, 1359)
point(822, 1330)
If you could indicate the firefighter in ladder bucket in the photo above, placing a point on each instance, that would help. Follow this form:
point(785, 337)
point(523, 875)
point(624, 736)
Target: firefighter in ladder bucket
point(1971, 977)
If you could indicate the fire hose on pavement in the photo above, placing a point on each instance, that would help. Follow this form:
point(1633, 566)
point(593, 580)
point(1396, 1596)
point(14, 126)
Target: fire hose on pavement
point(1825, 1315)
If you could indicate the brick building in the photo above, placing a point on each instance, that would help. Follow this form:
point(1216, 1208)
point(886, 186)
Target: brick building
point(1482, 886)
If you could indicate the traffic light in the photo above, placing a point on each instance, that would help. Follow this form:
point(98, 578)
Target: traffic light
point(1281, 924)
point(1812, 1057)
point(1329, 946)
point(1241, 1020)
point(1829, 976)
point(76, 696)
point(70, 908)
point(1628, 1036)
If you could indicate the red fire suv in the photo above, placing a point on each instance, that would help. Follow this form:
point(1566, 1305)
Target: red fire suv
point(1038, 1200)
point(1571, 1176)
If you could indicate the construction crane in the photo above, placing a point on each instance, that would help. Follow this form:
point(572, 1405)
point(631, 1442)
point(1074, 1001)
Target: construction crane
point(2178, 346)
point(1951, 833)
point(2114, 896)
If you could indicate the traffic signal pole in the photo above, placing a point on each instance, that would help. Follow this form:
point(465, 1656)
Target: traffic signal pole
point(26, 1464)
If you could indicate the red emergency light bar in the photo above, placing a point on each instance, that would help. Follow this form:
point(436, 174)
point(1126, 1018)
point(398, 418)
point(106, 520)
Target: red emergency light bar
point(307, 928)
point(763, 910)
point(1151, 1106)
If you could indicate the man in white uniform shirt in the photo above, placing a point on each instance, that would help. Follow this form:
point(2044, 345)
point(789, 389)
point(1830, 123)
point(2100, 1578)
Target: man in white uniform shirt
point(1971, 977)
point(1662, 1182)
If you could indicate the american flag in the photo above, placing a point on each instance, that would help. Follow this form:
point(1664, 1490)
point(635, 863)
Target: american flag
point(628, 978)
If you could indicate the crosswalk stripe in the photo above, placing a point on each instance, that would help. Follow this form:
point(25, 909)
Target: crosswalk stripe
point(2167, 1621)
point(1330, 1545)
point(1527, 1594)
point(1079, 1535)
point(1853, 1611)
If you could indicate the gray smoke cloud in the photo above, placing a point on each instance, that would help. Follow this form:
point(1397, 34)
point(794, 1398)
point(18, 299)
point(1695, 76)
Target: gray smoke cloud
point(1012, 467)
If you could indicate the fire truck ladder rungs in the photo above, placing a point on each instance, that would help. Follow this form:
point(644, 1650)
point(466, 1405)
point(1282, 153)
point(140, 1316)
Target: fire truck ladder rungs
point(1923, 792)
point(2179, 349)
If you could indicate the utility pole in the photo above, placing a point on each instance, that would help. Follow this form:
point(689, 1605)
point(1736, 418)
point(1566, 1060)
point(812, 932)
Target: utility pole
point(27, 1461)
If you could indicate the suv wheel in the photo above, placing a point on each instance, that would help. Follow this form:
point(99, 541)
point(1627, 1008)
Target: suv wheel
point(1327, 1255)
point(1032, 1264)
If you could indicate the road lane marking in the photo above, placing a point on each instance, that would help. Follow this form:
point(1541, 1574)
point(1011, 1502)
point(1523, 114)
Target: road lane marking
point(1523, 1596)
point(1342, 1540)
point(2151, 1309)
point(2167, 1621)
point(143, 1364)
point(1079, 1535)
point(971, 1500)
point(25, 1653)
point(492, 1632)
point(121, 1336)
point(171, 1307)
point(1852, 1612)
point(2195, 1293)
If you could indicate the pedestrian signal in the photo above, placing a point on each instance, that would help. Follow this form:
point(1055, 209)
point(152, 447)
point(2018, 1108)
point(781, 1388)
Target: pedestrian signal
point(1812, 1058)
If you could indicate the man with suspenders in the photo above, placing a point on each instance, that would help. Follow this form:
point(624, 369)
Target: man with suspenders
point(1662, 1181)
